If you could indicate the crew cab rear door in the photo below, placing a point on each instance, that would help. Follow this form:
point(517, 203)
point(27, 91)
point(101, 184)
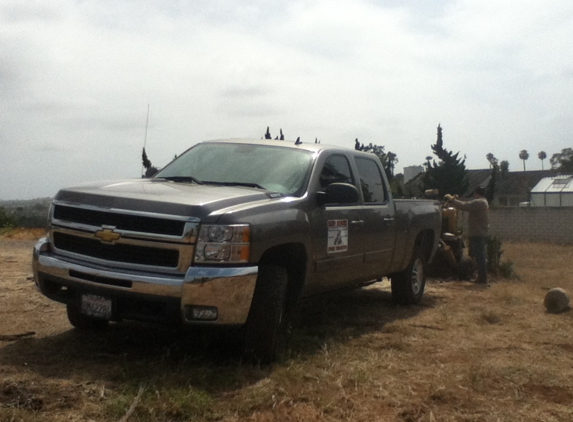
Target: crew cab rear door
point(338, 230)
point(379, 231)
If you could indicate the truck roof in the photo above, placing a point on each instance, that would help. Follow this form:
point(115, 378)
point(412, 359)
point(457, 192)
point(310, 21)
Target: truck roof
point(308, 146)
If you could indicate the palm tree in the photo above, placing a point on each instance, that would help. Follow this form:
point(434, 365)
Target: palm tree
point(491, 158)
point(542, 156)
point(523, 155)
point(427, 163)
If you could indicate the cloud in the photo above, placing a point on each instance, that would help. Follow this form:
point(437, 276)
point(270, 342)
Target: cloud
point(76, 79)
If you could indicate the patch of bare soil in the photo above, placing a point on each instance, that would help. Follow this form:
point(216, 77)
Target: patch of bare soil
point(23, 234)
point(27, 318)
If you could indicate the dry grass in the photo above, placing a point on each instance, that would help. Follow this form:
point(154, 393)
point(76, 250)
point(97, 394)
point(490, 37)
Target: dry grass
point(465, 354)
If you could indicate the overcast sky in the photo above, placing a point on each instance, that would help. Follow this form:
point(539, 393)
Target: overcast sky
point(76, 79)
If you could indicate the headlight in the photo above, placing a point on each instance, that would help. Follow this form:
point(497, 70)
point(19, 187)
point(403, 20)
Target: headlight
point(223, 243)
point(221, 233)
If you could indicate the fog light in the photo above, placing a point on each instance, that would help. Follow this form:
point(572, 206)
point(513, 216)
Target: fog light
point(201, 313)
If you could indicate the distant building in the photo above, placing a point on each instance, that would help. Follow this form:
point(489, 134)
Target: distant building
point(515, 187)
point(511, 189)
point(412, 171)
point(554, 191)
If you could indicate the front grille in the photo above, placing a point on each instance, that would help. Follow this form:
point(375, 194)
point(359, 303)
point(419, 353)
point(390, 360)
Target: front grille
point(123, 253)
point(126, 222)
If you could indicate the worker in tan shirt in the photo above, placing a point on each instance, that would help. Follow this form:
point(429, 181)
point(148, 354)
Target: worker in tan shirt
point(478, 228)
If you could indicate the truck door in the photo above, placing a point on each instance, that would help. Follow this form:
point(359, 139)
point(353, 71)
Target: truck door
point(378, 217)
point(337, 230)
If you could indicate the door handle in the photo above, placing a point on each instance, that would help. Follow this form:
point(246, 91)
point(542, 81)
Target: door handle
point(388, 219)
point(357, 222)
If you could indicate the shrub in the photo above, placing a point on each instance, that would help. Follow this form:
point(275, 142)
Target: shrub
point(6, 221)
point(494, 263)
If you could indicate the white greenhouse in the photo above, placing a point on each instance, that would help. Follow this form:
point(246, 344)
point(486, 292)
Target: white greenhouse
point(553, 192)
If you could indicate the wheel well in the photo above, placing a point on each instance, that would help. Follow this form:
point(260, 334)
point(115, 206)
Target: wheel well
point(425, 241)
point(291, 256)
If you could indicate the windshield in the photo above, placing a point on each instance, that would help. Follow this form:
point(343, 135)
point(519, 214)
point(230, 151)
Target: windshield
point(276, 169)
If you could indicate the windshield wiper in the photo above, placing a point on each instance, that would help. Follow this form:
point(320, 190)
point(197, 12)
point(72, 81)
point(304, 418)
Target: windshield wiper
point(187, 179)
point(246, 184)
point(183, 179)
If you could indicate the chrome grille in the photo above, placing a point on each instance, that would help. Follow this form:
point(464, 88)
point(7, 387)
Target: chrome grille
point(121, 221)
point(126, 239)
point(132, 254)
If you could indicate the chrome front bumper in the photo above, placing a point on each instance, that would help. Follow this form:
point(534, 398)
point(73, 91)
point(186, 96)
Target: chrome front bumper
point(228, 289)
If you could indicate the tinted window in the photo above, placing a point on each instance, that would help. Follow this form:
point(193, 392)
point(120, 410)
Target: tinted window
point(336, 170)
point(371, 181)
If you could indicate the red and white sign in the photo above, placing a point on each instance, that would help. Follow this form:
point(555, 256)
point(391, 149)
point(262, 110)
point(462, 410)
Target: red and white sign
point(337, 236)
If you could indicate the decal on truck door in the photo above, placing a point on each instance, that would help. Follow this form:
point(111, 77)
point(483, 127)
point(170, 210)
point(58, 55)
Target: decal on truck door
point(337, 236)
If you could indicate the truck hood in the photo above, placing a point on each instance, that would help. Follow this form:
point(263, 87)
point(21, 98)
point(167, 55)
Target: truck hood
point(164, 197)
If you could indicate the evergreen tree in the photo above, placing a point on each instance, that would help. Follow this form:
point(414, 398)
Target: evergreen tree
point(145, 161)
point(563, 161)
point(149, 169)
point(504, 168)
point(448, 174)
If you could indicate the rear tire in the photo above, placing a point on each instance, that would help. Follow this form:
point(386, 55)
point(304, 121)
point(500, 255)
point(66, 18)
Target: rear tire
point(408, 285)
point(84, 322)
point(264, 335)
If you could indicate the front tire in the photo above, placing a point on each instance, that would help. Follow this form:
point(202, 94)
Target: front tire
point(84, 322)
point(408, 285)
point(265, 331)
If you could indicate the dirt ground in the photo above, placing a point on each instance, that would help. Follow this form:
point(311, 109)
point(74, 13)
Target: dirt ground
point(26, 314)
point(40, 316)
point(473, 355)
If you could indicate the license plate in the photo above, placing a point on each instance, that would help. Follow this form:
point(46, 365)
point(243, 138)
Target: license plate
point(96, 306)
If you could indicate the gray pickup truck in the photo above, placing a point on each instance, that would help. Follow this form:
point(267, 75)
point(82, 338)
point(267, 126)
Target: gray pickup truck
point(234, 233)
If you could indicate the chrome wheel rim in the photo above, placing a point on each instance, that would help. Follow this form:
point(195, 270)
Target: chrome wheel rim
point(417, 276)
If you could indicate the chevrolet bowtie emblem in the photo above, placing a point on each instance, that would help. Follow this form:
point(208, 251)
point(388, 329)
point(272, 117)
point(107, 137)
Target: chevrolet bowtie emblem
point(107, 235)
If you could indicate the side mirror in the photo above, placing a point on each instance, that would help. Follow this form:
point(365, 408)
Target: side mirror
point(338, 193)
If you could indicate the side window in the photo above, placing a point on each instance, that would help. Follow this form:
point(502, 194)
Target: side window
point(371, 181)
point(336, 170)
